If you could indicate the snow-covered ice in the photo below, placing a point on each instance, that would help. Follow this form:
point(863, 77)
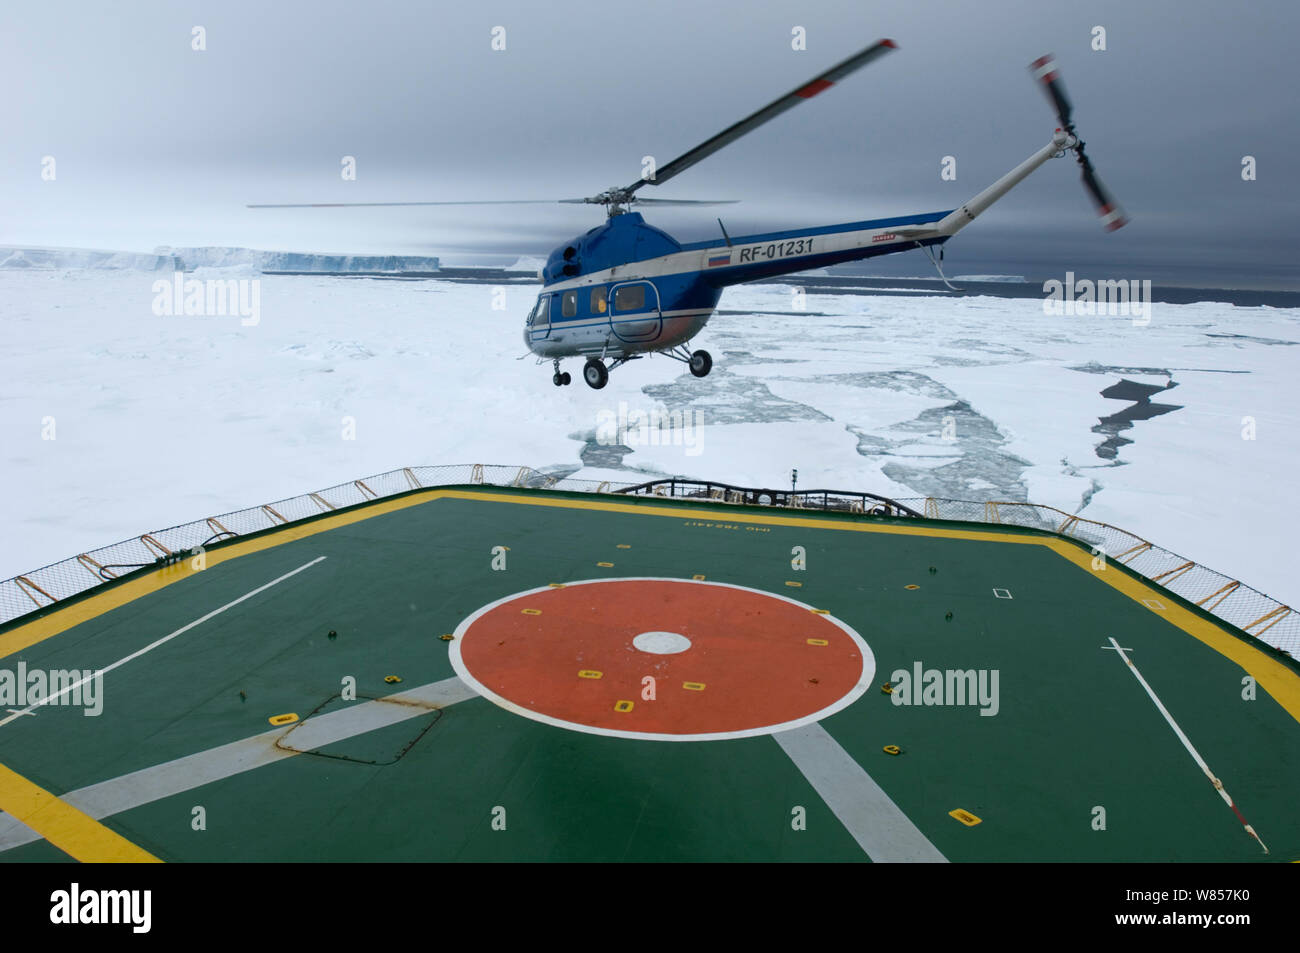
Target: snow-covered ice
point(57, 258)
point(244, 260)
point(253, 259)
point(159, 420)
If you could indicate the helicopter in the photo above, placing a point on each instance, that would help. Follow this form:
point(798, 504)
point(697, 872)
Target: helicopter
point(626, 289)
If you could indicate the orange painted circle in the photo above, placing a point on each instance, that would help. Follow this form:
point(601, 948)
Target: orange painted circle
point(753, 662)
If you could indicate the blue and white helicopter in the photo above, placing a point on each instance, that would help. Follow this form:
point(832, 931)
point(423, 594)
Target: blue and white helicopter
point(626, 289)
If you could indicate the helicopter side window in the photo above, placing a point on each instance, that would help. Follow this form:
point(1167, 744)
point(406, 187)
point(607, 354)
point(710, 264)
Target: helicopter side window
point(629, 298)
point(598, 303)
point(569, 304)
point(541, 314)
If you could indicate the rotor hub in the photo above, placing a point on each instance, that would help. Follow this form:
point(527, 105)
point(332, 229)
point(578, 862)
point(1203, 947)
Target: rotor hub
point(615, 200)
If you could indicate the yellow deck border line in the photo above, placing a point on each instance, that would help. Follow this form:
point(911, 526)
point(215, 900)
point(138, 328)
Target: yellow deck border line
point(60, 620)
point(72, 831)
point(1274, 677)
point(1278, 680)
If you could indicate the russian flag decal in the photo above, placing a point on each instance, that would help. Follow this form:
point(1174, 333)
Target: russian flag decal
point(715, 260)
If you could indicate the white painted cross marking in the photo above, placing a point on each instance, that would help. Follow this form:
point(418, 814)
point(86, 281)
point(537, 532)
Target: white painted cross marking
point(880, 827)
point(206, 767)
point(1218, 785)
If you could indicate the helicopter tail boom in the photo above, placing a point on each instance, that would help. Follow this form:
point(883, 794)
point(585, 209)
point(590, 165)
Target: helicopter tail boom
point(960, 218)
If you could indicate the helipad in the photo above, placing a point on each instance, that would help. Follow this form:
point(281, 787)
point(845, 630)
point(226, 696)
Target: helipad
point(531, 675)
point(739, 661)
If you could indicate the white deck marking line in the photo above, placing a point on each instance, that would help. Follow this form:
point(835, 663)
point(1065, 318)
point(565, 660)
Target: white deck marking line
point(880, 827)
point(166, 638)
point(1218, 785)
point(192, 771)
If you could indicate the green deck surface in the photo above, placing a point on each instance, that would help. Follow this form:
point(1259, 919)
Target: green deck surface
point(1075, 730)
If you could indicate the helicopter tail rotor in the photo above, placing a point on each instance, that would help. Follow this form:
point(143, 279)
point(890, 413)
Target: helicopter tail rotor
point(1045, 71)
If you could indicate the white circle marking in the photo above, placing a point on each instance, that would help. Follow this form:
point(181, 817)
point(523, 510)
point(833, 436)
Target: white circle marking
point(661, 643)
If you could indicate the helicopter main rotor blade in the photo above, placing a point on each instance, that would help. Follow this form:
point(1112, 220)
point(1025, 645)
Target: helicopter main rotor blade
point(587, 201)
point(697, 202)
point(601, 200)
point(394, 204)
point(773, 109)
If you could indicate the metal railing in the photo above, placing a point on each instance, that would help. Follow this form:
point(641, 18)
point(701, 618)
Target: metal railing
point(1229, 599)
point(848, 501)
point(71, 577)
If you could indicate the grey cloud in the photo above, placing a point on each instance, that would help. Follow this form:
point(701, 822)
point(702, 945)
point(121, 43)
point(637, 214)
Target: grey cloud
point(159, 144)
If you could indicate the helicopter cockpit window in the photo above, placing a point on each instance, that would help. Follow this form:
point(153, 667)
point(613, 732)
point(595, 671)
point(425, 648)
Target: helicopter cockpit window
point(629, 298)
point(569, 304)
point(541, 314)
point(598, 304)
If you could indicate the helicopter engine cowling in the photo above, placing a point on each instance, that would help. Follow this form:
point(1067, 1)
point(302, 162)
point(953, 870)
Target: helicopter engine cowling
point(621, 240)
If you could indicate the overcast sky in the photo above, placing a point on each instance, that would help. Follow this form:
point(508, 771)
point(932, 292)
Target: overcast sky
point(155, 143)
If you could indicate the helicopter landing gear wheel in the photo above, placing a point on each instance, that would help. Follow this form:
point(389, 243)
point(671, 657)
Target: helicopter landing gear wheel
point(565, 378)
point(557, 380)
point(701, 363)
point(595, 374)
